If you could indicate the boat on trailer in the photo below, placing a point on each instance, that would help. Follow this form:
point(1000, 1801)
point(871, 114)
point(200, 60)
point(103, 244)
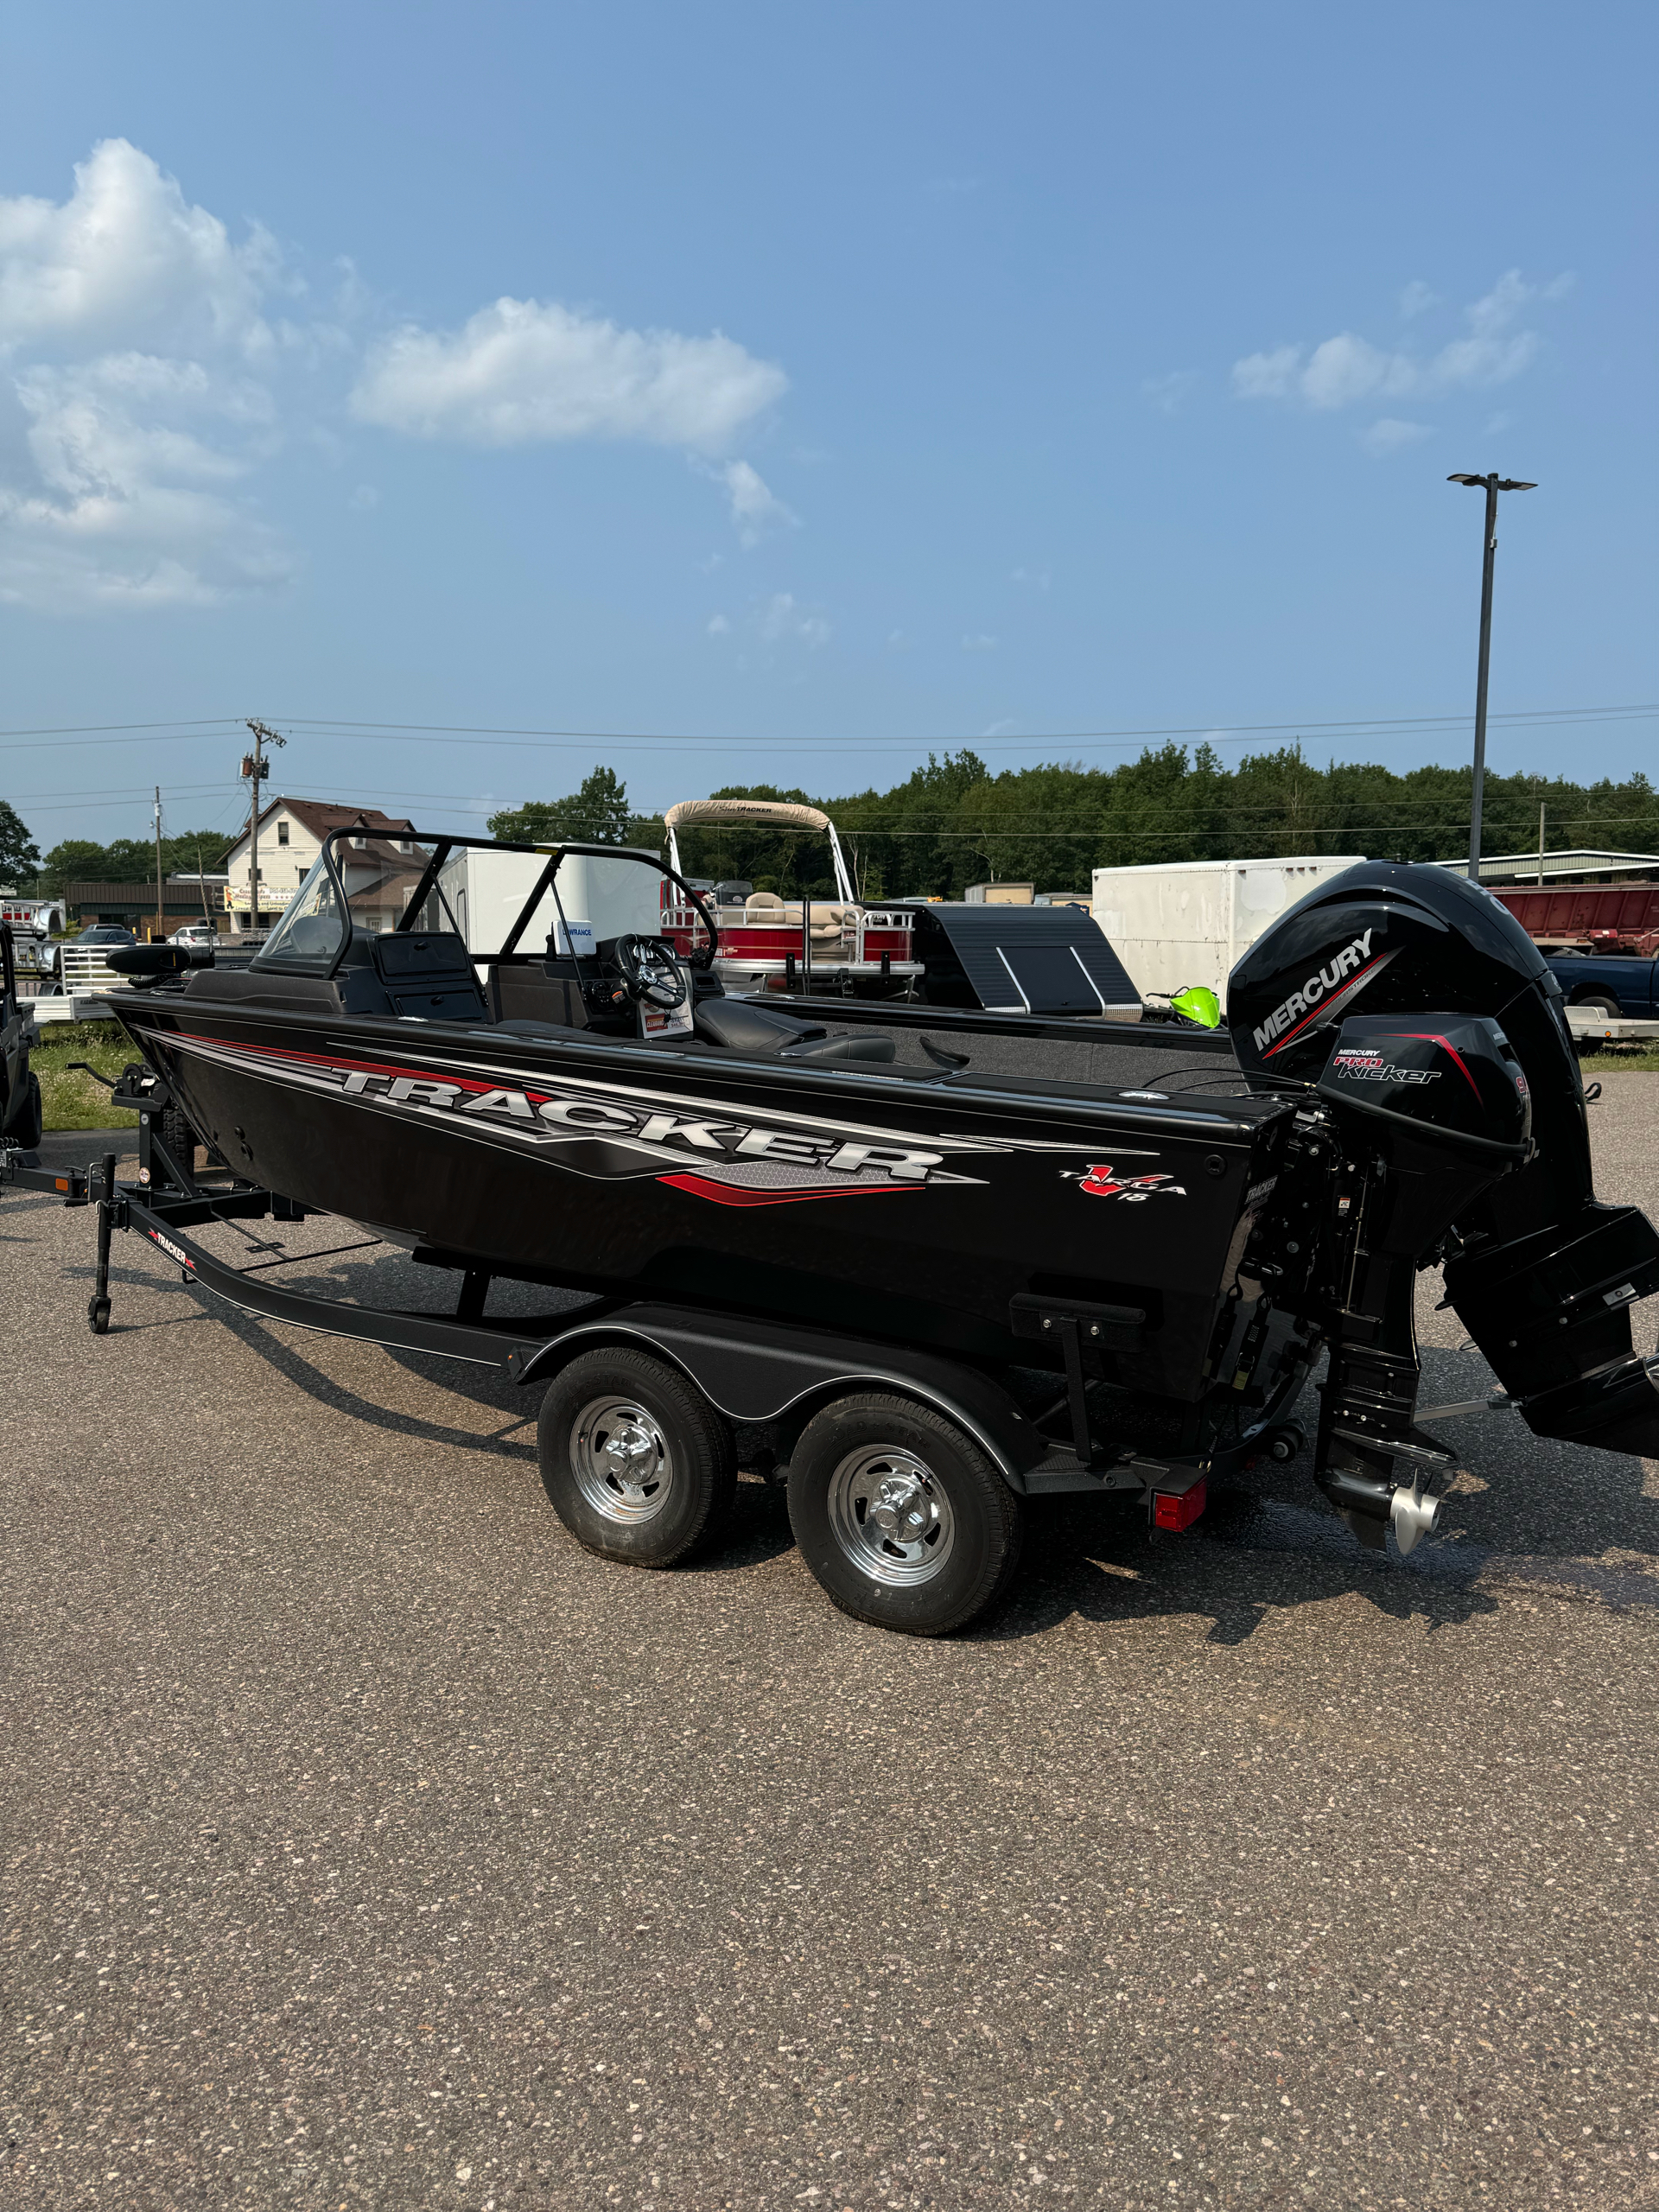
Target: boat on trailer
point(1069, 1284)
point(768, 943)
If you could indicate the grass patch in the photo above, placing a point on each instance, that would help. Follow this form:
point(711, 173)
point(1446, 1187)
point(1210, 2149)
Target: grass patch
point(73, 1101)
point(1644, 1062)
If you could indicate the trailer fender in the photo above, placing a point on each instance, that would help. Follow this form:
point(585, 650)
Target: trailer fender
point(781, 1375)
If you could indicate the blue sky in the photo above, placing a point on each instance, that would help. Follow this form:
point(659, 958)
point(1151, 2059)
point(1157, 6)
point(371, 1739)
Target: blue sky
point(789, 390)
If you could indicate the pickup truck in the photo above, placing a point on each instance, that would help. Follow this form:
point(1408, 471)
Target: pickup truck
point(1609, 983)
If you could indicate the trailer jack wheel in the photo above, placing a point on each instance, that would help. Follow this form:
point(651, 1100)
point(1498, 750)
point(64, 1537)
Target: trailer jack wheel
point(1284, 1443)
point(97, 1316)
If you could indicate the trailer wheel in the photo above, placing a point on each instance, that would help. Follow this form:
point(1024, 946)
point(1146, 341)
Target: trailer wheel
point(1606, 1007)
point(178, 1137)
point(635, 1462)
point(901, 1516)
point(29, 1120)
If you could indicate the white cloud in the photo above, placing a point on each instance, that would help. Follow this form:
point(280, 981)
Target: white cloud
point(756, 509)
point(364, 499)
point(1167, 392)
point(1416, 299)
point(127, 258)
point(1268, 376)
point(1039, 579)
point(129, 505)
point(1388, 435)
point(782, 620)
point(718, 625)
point(525, 372)
point(1347, 369)
point(978, 641)
point(132, 328)
point(146, 375)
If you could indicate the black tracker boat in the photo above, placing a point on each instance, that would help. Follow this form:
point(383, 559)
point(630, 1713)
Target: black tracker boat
point(926, 1292)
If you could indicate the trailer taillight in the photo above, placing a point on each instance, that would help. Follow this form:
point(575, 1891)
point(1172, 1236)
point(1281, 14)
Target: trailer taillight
point(1178, 1509)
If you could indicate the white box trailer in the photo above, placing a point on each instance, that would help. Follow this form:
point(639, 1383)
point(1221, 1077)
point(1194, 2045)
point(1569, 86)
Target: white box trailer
point(601, 897)
point(1182, 922)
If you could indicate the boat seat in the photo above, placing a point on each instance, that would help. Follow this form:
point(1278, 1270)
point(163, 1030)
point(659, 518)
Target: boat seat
point(431, 976)
point(742, 1027)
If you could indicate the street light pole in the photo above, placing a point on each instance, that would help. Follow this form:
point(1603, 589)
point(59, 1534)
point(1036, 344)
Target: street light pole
point(1491, 486)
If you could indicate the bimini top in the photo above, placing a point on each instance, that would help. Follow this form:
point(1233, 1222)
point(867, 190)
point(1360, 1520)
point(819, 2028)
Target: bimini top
point(745, 809)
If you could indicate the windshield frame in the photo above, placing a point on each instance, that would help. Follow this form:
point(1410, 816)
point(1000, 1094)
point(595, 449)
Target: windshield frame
point(439, 849)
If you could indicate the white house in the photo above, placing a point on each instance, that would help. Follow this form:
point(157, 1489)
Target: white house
point(291, 832)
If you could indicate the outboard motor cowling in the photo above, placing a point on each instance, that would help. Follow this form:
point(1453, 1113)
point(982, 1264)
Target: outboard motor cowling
point(1428, 1035)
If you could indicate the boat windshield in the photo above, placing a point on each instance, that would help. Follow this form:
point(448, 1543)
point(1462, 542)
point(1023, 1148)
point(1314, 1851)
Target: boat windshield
point(316, 925)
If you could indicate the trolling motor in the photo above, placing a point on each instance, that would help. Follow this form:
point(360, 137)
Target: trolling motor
point(1444, 1120)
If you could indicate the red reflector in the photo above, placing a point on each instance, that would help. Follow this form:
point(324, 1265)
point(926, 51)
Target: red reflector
point(1171, 1510)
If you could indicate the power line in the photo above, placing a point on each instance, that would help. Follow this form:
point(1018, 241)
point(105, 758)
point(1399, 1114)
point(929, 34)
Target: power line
point(651, 740)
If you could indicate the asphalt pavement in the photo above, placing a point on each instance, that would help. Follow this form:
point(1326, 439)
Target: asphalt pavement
point(366, 1843)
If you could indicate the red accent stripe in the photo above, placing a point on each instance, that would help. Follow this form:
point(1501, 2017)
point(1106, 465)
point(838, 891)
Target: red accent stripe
point(1326, 1005)
point(1428, 1037)
point(357, 1067)
point(736, 1194)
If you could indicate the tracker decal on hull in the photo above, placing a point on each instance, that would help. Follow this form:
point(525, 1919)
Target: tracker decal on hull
point(605, 1132)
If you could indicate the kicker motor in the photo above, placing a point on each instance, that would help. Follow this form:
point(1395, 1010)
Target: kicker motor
point(1444, 1122)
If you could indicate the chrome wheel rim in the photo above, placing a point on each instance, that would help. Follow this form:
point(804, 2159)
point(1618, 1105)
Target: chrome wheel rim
point(891, 1515)
point(621, 1460)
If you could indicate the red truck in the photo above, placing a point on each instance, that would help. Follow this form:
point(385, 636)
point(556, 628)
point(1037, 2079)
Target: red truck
point(1618, 917)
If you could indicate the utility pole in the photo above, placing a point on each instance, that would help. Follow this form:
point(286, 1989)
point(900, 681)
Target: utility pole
point(161, 920)
point(257, 768)
point(1491, 486)
point(1541, 843)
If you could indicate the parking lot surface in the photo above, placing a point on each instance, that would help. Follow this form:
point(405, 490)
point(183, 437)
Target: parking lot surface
point(368, 1844)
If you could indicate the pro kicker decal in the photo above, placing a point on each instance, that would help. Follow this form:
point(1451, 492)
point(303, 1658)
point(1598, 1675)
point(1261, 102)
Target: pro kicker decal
point(1365, 1063)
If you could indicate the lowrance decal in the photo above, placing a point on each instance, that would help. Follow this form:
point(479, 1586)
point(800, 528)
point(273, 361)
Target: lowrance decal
point(1329, 988)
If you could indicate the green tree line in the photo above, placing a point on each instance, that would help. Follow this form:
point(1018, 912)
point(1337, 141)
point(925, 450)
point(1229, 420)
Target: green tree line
point(954, 822)
point(81, 859)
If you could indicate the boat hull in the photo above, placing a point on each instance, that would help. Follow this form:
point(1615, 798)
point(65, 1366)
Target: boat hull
point(915, 1209)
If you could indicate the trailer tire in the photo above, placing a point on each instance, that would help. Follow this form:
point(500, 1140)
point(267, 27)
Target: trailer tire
point(178, 1137)
point(635, 1461)
point(29, 1119)
point(1608, 1009)
point(946, 1546)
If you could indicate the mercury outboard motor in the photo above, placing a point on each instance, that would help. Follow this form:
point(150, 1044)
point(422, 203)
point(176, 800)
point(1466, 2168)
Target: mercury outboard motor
point(1444, 1120)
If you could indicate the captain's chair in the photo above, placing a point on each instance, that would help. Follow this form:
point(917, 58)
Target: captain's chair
point(742, 1027)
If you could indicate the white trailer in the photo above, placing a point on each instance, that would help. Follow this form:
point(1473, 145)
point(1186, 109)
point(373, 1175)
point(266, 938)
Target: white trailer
point(601, 897)
point(1182, 923)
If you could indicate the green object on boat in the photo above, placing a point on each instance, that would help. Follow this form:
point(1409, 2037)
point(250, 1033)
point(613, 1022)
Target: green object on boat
point(1198, 1004)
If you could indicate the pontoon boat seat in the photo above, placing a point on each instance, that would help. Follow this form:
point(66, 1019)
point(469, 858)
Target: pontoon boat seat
point(743, 1026)
point(763, 906)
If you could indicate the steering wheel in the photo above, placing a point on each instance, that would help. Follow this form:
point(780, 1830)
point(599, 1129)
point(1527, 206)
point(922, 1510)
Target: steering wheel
point(648, 967)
